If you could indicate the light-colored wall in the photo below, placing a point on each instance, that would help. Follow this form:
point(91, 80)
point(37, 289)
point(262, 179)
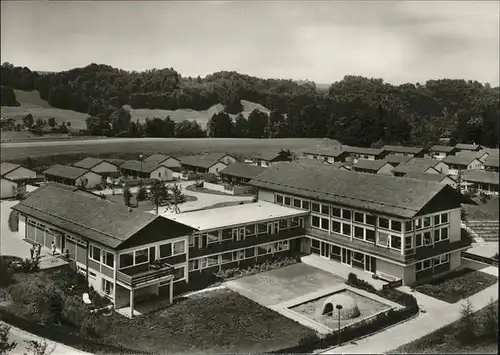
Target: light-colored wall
point(475, 165)
point(431, 171)
point(442, 168)
point(7, 188)
point(161, 173)
point(386, 170)
point(228, 160)
point(20, 174)
point(22, 226)
point(105, 167)
point(455, 260)
point(93, 179)
point(266, 195)
point(217, 167)
point(455, 228)
point(390, 268)
point(449, 181)
point(172, 162)
point(409, 275)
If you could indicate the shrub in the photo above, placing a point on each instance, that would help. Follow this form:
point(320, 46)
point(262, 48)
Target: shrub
point(352, 280)
point(489, 324)
point(466, 333)
point(6, 274)
point(141, 193)
point(74, 311)
point(267, 265)
point(30, 265)
point(5, 344)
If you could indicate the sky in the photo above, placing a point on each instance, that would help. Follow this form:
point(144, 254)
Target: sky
point(398, 41)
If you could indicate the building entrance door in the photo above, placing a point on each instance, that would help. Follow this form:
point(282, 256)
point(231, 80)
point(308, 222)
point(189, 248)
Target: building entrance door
point(346, 256)
point(325, 250)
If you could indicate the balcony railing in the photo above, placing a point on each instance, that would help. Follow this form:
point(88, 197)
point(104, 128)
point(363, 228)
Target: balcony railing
point(143, 274)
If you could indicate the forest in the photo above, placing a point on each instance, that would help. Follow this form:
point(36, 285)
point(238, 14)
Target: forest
point(356, 110)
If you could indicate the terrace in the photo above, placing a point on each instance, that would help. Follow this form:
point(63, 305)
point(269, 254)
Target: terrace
point(144, 274)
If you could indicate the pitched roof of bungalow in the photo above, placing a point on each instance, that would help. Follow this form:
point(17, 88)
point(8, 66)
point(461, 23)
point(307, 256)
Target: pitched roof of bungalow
point(243, 170)
point(396, 159)
point(89, 163)
point(487, 177)
point(65, 171)
point(6, 167)
point(466, 146)
point(362, 150)
point(402, 149)
point(424, 161)
point(315, 162)
point(406, 168)
point(442, 148)
point(428, 177)
point(366, 164)
point(268, 156)
point(381, 193)
point(492, 151)
point(333, 151)
point(491, 162)
point(135, 165)
point(98, 220)
point(201, 161)
point(459, 160)
point(158, 158)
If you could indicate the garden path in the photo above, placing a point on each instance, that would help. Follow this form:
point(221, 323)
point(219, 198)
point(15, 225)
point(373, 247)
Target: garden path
point(437, 315)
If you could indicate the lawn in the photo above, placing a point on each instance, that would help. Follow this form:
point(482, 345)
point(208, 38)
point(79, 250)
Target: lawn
point(457, 285)
point(444, 341)
point(219, 321)
point(129, 148)
point(483, 211)
point(212, 322)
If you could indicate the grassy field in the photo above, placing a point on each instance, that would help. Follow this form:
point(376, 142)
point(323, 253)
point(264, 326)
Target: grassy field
point(113, 146)
point(457, 285)
point(444, 340)
point(483, 211)
point(32, 103)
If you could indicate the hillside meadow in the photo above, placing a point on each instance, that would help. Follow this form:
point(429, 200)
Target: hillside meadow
point(30, 102)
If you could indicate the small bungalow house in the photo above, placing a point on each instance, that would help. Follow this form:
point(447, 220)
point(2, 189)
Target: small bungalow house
point(470, 147)
point(443, 179)
point(225, 158)
point(170, 161)
point(481, 155)
point(99, 166)
point(202, 164)
point(330, 154)
point(356, 153)
point(441, 151)
point(395, 160)
point(401, 150)
point(373, 167)
point(73, 176)
point(404, 169)
point(483, 181)
point(491, 164)
point(439, 165)
point(17, 173)
point(240, 173)
point(457, 163)
point(14, 178)
point(143, 170)
point(270, 158)
point(317, 162)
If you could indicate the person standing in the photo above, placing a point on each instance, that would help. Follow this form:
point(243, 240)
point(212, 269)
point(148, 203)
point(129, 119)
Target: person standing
point(54, 248)
point(32, 251)
point(38, 250)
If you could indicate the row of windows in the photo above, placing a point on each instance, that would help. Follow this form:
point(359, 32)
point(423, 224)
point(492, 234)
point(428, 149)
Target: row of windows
point(250, 230)
point(140, 256)
point(360, 217)
point(102, 256)
point(428, 238)
point(427, 264)
point(228, 257)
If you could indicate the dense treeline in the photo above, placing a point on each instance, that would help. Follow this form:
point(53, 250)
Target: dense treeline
point(356, 110)
point(8, 97)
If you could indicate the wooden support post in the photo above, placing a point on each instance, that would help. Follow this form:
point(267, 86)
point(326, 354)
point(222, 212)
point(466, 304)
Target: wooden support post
point(171, 291)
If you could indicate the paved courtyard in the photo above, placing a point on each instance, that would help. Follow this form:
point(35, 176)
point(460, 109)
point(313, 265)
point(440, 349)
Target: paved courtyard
point(285, 284)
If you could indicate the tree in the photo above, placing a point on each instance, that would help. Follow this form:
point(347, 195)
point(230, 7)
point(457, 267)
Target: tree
point(82, 183)
point(51, 122)
point(257, 124)
point(467, 323)
point(8, 97)
point(141, 193)
point(490, 321)
point(189, 129)
point(159, 193)
point(176, 197)
point(36, 347)
point(6, 346)
point(28, 120)
point(240, 127)
point(120, 120)
point(127, 195)
point(220, 125)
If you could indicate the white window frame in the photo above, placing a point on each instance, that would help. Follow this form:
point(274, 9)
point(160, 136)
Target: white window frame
point(363, 215)
point(212, 234)
point(147, 255)
point(195, 267)
point(183, 247)
point(390, 241)
point(91, 253)
point(342, 230)
point(104, 258)
point(378, 239)
point(103, 285)
point(319, 221)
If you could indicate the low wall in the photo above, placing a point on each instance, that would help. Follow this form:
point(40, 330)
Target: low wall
point(235, 190)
